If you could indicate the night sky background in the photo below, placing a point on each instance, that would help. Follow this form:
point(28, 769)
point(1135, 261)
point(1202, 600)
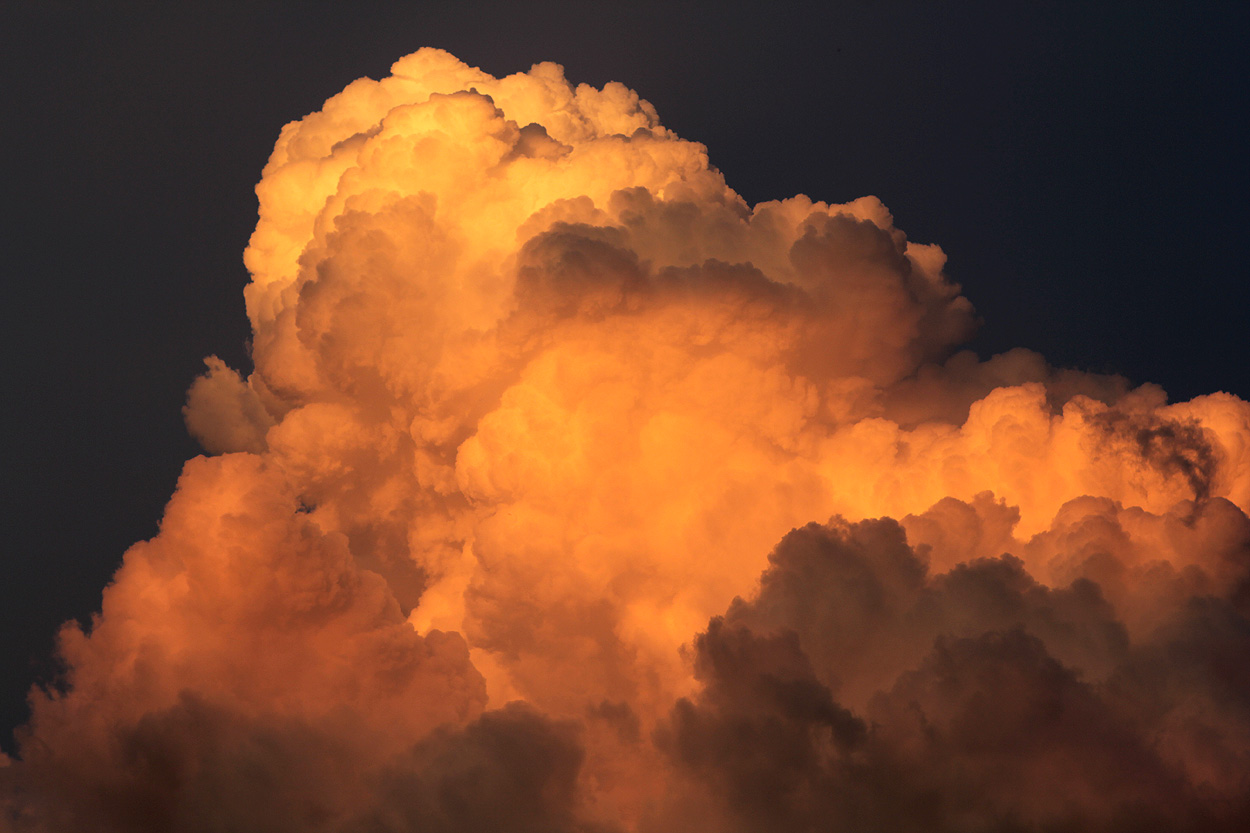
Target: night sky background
point(1083, 165)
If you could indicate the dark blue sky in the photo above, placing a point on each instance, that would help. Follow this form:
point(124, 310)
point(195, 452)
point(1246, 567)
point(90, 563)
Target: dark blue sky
point(1082, 164)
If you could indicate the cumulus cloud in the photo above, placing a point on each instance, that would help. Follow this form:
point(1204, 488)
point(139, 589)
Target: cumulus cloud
point(980, 700)
point(223, 413)
point(487, 542)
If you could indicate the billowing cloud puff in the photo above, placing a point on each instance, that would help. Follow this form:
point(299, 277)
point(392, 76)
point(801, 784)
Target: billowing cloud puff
point(979, 699)
point(487, 543)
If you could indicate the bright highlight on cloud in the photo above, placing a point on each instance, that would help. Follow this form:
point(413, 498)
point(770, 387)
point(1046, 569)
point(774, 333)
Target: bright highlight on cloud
point(572, 493)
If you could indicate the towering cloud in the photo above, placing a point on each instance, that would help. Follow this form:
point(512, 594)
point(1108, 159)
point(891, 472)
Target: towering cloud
point(489, 540)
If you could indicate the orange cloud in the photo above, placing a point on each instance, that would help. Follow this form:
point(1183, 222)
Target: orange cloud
point(535, 396)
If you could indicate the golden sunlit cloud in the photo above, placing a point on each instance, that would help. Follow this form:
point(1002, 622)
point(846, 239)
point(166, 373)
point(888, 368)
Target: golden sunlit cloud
point(489, 540)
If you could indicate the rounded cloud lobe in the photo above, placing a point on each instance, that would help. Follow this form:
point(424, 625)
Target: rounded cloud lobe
point(486, 542)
